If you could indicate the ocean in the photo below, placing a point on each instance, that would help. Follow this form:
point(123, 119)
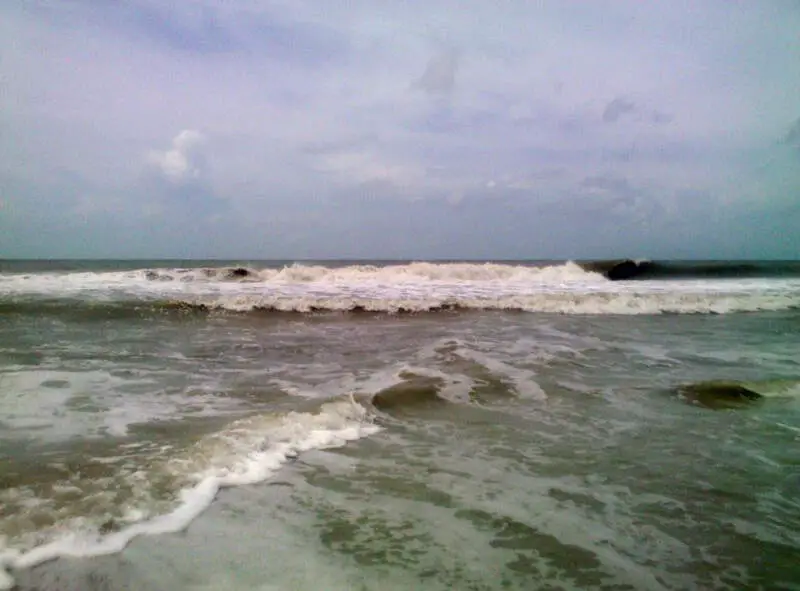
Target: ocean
point(350, 425)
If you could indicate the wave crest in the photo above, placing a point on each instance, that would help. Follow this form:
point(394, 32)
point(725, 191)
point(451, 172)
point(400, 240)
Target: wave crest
point(396, 273)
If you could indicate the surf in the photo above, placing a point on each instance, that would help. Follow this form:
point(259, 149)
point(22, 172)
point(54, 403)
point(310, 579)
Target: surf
point(247, 451)
point(401, 288)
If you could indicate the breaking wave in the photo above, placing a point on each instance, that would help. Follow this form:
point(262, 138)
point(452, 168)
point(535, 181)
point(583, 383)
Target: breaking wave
point(614, 270)
point(396, 273)
point(567, 288)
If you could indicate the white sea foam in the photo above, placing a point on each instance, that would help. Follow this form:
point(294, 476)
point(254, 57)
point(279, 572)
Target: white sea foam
point(522, 380)
point(61, 405)
point(248, 451)
point(415, 287)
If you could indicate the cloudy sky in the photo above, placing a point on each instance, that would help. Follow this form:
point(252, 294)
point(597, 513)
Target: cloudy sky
point(395, 129)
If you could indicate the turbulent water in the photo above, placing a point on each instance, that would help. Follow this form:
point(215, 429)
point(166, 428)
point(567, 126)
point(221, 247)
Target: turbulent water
point(459, 425)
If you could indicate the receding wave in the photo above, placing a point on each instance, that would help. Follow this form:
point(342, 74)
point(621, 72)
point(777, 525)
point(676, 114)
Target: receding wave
point(247, 451)
point(176, 484)
point(627, 269)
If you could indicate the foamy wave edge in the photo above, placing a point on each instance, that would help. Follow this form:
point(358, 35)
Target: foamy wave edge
point(306, 431)
point(597, 303)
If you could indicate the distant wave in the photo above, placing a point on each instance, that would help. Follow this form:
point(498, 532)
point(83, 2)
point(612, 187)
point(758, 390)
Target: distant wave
point(614, 270)
point(568, 272)
point(568, 288)
point(204, 273)
point(626, 269)
point(540, 273)
point(229, 271)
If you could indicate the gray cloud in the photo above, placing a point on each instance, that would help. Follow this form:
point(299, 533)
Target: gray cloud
point(616, 109)
point(660, 117)
point(615, 198)
point(439, 77)
point(620, 108)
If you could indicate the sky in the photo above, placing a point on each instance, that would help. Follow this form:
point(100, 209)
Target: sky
point(389, 129)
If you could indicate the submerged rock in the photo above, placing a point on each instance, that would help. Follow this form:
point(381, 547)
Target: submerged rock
point(719, 394)
point(732, 394)
point(414, 392)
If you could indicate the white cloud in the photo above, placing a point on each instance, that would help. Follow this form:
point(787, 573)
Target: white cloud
point(184, 161)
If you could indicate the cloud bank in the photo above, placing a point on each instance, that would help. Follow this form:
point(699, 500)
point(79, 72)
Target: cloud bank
point(275, 129)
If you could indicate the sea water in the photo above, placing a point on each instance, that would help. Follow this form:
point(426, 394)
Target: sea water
point(419, 425)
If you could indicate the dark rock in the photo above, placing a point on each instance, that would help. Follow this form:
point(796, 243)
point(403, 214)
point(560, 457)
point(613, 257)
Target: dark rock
point(719, 394)
point(239, 272)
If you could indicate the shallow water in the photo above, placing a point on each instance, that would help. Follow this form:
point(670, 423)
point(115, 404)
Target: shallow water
point(457, 449)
